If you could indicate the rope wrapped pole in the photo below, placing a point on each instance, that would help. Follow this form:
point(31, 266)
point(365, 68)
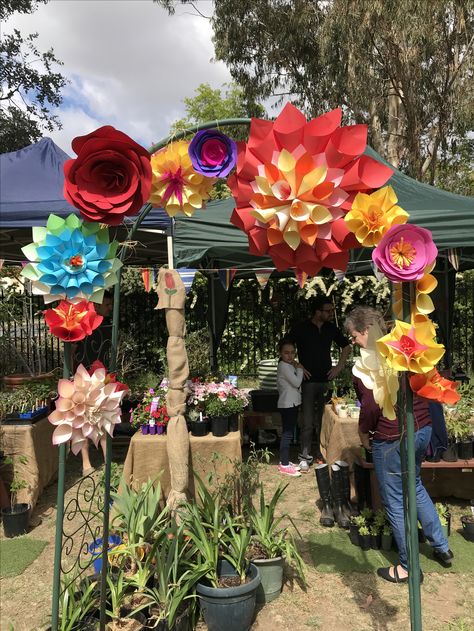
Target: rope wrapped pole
point(171, 298)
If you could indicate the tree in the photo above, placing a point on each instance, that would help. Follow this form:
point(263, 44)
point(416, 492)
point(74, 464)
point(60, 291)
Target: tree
point(404, 68)
point(29, 86)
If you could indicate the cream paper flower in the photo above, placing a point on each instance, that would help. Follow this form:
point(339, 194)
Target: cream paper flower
point(87, 407)
point(376, 374)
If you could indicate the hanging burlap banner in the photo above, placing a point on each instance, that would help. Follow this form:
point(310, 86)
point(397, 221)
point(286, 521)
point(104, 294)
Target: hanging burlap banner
point(171, 298)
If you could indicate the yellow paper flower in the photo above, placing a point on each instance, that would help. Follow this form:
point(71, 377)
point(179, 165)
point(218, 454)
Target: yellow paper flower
point(176, 186)
point(372, 215)
point(411, 346)
point(425, 286)
point(376, 375)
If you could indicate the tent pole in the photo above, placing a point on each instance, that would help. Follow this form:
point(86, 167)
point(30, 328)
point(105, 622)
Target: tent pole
point(169, 244)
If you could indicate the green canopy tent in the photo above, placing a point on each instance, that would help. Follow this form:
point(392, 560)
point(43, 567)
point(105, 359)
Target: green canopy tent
point(209, 241)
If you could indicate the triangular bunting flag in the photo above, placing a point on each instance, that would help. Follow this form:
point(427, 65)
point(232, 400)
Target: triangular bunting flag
point(187, 275)
point(146, 278)
point(453, 258)
point(340, 275)
point(154, 273)
point(301, 277)
point(226, 277)
point(263, 278)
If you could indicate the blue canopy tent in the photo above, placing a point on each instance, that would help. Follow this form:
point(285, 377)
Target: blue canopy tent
point(31, 185)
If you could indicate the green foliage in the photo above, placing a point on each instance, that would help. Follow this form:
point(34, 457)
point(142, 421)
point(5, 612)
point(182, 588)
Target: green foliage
point(27, 76)
point(138, 514)
point(443, 513)
point(364, 530)
point(18, 483)
point(216, 407)
point(77, 599)
point(268, 534)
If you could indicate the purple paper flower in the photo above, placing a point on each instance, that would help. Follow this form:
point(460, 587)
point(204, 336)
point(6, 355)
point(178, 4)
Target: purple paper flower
point(405, 252)
point(212, 153)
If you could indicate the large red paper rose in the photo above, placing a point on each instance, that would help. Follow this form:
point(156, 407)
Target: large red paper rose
point(295, 181)
point(72, 322)
point(110, 178)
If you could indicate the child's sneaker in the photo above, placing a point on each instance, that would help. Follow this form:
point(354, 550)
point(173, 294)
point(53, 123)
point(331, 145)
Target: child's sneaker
point(304, 466)
point(296, 466)
point(289, 469)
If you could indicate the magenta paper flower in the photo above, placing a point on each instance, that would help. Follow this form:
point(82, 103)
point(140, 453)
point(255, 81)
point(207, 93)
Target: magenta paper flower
point(212, 153)
point(405, 252)
point(88, 406)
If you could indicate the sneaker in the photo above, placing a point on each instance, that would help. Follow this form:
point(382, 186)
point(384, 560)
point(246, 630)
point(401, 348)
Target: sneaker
point(304, 466)
point(289, 470)
point(309, 459)
point(296, 466)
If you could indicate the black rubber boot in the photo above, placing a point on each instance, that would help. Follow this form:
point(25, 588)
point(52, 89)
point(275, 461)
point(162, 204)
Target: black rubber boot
point(324, 487)
point(360, 483)
point(337, 492)
point(346, 486)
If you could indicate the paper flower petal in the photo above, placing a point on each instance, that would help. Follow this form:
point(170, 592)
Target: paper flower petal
point(435, 387)
point(291, 188)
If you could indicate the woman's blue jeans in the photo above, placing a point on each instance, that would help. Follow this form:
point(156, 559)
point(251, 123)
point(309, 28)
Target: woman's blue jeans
point(387, 465)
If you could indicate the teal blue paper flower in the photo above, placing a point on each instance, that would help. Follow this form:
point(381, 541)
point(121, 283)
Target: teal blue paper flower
point(72, 260)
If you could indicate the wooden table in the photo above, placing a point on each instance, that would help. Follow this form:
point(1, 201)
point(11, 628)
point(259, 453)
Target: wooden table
point(441, 479)
point(147, 457)
point(35, 442)
point(339, 437)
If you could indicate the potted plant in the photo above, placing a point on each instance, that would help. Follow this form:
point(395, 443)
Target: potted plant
point(79, 600)
point(151, 415)
point(355, 522)
point(376, 529)
point(197, 423)
point(271, 546)
point(222, 406)
point(16, 516)
point(364, 538)
point(467, 522)
point(226, 583)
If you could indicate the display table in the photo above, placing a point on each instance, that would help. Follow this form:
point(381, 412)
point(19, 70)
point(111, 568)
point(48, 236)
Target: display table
point(441, 479)
point(147, 456)
point(34, 442)
point(339, 437)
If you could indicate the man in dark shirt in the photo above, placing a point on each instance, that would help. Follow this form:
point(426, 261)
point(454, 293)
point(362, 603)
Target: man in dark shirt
point(314, 339)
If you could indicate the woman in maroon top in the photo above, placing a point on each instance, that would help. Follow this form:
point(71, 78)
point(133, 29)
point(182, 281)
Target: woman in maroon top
point(386, 457)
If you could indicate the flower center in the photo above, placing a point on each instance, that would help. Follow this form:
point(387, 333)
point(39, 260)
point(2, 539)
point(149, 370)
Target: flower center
point(402, 254)
point(407, 346)
point(76, 261)
point(175, 182)
point(374, 215)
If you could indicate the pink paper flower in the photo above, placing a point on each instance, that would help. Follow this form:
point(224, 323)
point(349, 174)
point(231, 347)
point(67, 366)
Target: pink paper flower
point(88, 406)
point(405, 252)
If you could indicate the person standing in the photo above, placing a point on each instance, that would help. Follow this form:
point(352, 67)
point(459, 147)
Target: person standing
point(314, 339)
point(289, 377)
point(385, 448)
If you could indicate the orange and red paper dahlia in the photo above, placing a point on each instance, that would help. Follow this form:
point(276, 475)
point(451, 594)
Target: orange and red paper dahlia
point(72, 322)
point(435, 387)
point(295, 181)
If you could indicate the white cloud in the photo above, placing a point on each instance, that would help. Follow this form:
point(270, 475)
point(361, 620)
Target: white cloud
point(129, 63)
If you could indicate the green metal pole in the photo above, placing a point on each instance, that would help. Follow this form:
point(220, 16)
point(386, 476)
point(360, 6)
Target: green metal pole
point(408, 467)
point(58, 540)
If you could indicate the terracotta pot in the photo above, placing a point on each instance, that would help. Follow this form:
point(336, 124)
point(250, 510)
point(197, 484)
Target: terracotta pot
point(12, 382)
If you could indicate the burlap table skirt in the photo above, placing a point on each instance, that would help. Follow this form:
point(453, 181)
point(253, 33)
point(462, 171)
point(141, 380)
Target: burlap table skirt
point(339, 438)
point(147, 456)
point(34, 442)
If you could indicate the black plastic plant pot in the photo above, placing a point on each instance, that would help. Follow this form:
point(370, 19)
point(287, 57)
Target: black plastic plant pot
point(375, 542)
point(465, 450)
point(234, 423)
point(219, 425)
point(451, 453)
point(386, 542)
point(364, 542)
point(15, 520)
point(199, 428)
point(467, 522)
point(229, 608)
point(354, 534)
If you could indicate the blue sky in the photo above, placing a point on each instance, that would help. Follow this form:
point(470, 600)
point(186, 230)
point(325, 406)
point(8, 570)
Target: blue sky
point(129, 64)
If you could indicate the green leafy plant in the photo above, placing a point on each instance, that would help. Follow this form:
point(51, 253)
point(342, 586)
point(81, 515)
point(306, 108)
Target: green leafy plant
point(358, 520)
point(364, 531)
point(77, 599)
point(443, 513)
point(138, 514)
point(387, 529)
point(117, 586)
point(17, 483)
point(269, 539)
